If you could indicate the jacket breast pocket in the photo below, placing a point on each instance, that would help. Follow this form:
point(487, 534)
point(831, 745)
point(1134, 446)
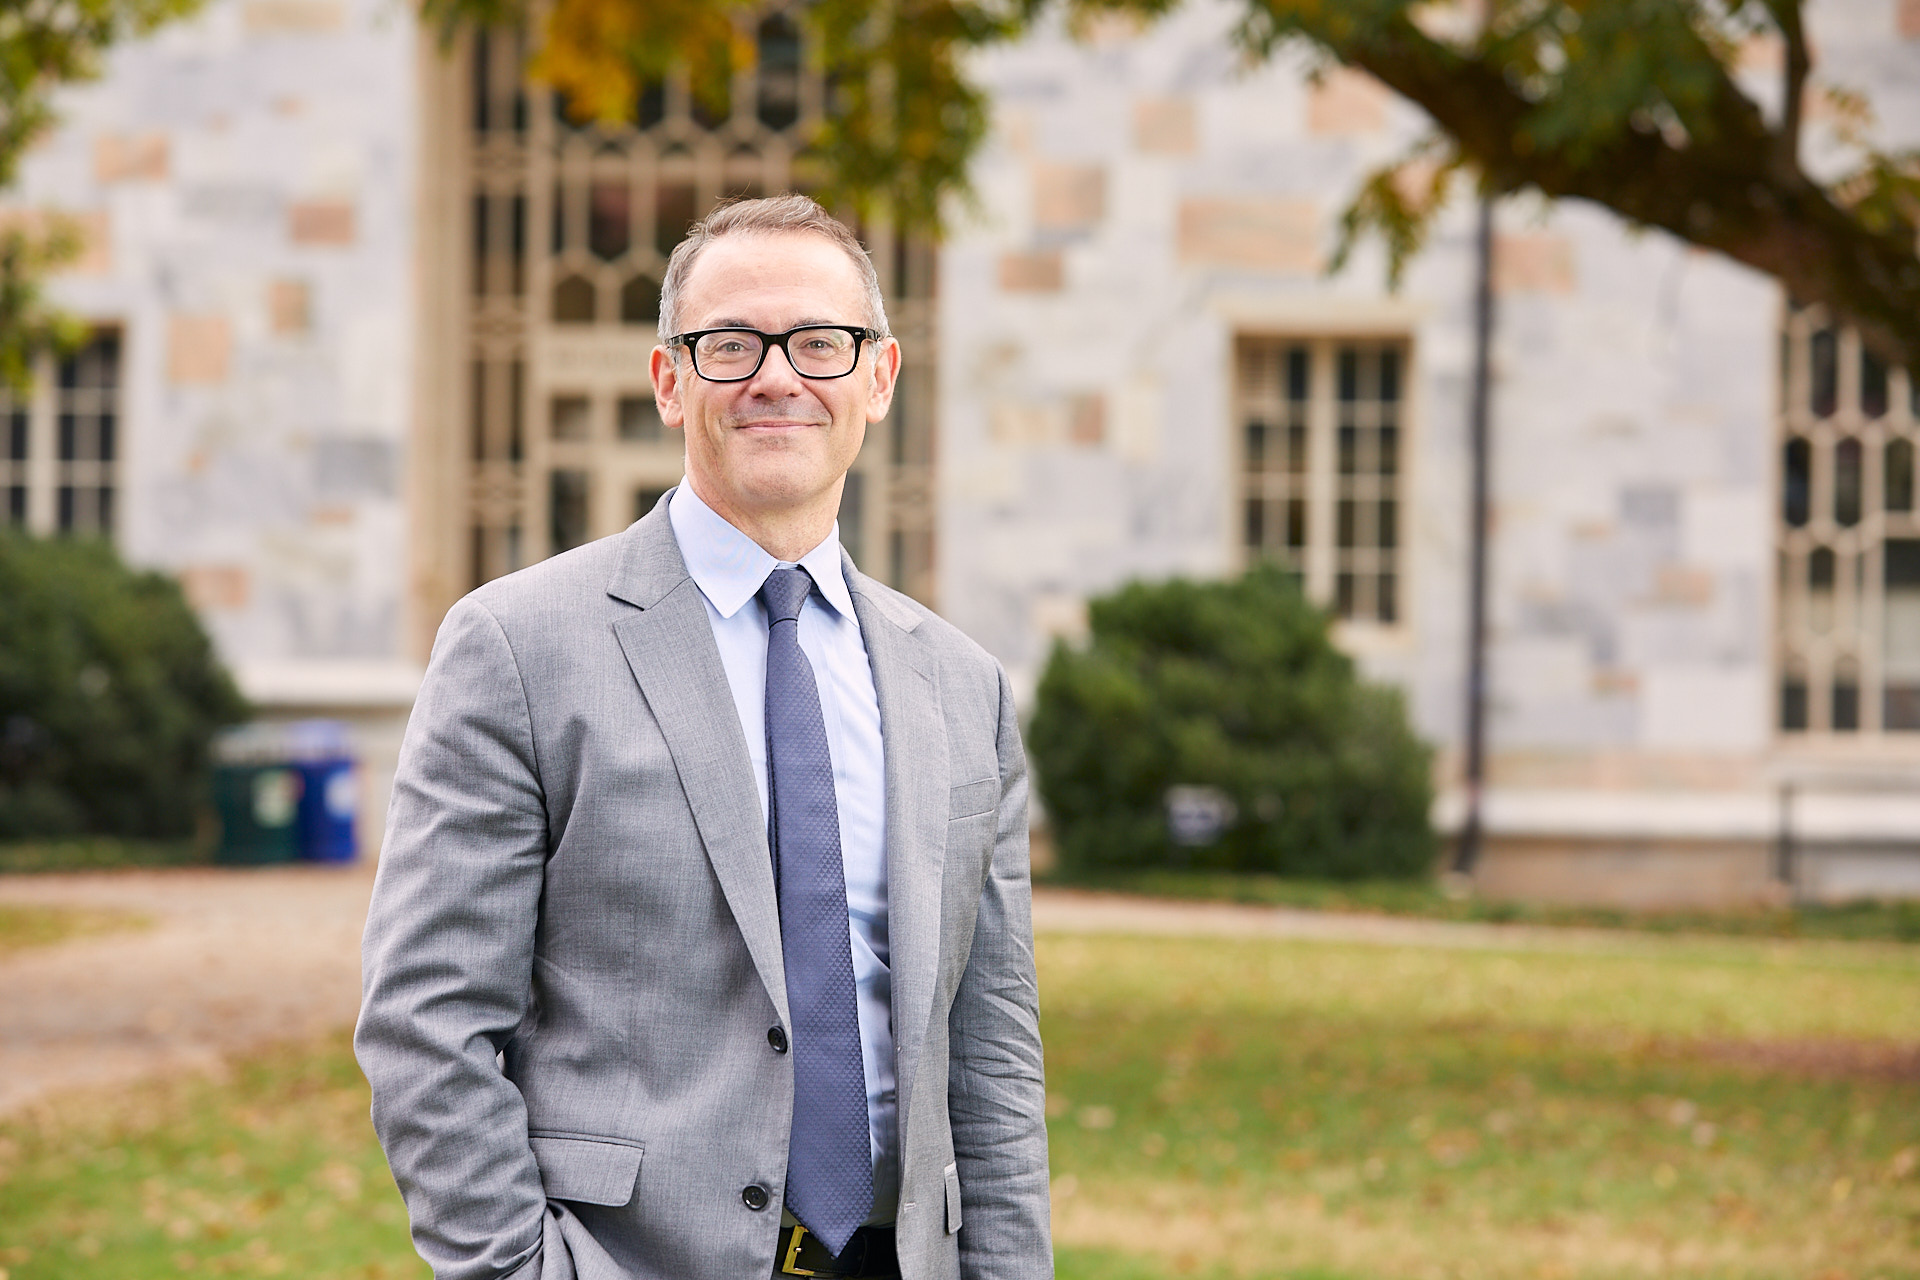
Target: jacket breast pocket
point(970, 799)
point(586, 1170)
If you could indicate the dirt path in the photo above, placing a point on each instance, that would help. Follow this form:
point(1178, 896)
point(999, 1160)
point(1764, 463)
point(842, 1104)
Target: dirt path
point(235, 959)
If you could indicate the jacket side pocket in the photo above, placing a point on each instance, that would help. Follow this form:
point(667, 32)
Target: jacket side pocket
point(586, 1170)
point(952, 1173)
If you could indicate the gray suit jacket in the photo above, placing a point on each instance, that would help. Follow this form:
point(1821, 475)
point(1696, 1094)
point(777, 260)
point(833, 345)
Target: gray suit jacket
point(573, 956)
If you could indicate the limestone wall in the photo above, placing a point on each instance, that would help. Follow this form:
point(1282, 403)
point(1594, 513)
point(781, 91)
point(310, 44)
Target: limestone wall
point(1146, 197)
point(248, 180)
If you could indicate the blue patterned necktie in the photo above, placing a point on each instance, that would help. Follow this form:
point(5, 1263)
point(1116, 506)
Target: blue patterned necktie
point(829, 1160)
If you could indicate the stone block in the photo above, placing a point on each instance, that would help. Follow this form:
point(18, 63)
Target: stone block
point(1017, 129)
point(93, 229)
point(1763, 53)
point(1683, 585)
point(321, 223)
point(1039, 272)
point(1270, 233)
point(289, 307)
point(1614, 682)
point(1023, 424)
point(123, 157)
point(1908, 19)
point(1346, 102)
point(1060, 615)
point(1068, 197)
point(293, 17)
point(1165, 126)
point(1705, 706)
point(1087, 419)
point(212, 587)
point(1108, 28)
point(96, 243)
point(1635, 874)
point(199, 349)
point(1533, 262)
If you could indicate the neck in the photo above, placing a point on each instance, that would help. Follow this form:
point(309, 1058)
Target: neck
point(785, 533)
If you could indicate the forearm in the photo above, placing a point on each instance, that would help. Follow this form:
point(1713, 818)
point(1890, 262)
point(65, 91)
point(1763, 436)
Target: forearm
point(997, 1084)
point(448, 956)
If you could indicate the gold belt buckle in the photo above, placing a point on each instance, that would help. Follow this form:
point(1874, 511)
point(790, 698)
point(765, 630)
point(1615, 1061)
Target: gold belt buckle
point(792, 1267)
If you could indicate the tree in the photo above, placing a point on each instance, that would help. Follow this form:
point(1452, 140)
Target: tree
point(903, 119)
point(1635, 105)
point(45, 44)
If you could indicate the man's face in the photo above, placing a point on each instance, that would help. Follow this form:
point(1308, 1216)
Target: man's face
point(776, 443)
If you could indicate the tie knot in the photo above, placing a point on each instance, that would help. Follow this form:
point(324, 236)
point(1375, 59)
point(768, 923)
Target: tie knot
point(784, 591)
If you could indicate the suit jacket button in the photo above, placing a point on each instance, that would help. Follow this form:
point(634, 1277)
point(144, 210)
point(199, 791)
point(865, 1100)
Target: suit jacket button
point(754, 1197)
point(777, 1037)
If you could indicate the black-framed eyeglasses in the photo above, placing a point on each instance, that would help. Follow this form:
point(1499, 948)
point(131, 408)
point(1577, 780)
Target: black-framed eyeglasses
point(814, 350)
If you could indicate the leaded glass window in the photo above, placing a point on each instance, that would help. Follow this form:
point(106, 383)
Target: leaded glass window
point(1849, 541)
point(1321, 441)
point(60, 469)
point(569, 225)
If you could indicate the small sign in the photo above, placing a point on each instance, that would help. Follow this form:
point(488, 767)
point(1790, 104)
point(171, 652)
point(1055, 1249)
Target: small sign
point(1198, 816)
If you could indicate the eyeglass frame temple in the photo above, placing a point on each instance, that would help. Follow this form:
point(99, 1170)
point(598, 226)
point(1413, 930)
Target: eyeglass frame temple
point(861, 334)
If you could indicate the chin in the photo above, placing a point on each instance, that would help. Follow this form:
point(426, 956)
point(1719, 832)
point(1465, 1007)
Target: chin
point(779, 486)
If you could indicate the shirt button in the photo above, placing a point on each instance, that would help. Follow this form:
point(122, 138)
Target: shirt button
point(754, 1197)
point(777, 1037)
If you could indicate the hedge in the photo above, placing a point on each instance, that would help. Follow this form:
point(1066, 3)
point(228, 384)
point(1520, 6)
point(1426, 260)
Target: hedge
point(110, 696)
point(1234, 689)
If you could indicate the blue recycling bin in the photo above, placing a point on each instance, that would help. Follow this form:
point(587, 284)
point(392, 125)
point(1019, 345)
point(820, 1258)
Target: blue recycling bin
point(330, 794)
point(329, 805)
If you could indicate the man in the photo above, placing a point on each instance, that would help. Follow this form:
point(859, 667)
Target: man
point(700, 947)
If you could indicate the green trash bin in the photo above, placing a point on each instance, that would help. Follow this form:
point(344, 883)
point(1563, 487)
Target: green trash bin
point(259, 807)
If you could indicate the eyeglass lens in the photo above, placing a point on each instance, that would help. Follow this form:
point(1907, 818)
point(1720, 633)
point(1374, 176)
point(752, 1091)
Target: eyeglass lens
point(818, 353)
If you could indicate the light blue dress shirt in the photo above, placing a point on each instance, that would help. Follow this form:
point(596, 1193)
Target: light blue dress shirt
point(729, 568)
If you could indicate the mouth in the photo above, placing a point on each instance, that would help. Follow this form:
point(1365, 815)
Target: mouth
point(777, 426)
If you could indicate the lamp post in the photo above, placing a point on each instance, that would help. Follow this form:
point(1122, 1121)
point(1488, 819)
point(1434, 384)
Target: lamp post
point(1467, 851)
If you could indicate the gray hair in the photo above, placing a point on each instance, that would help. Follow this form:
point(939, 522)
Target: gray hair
point(774, 214)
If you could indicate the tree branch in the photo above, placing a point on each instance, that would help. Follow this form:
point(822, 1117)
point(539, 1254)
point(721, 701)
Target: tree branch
point(1798, 62)
point(1722, 188)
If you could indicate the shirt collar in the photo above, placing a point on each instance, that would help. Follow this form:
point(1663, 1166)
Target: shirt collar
point(729, 567)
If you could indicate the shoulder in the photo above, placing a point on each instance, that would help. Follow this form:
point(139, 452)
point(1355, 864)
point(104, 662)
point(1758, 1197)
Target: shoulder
point(961, 662)
point(545, 600)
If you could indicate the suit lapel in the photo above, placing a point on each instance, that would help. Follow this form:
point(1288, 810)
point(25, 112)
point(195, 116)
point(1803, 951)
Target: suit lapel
point(914, 740)
point(670, 649)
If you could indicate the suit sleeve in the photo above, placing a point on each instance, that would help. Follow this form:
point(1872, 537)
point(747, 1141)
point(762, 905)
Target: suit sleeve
point(997, 1088)
point(447, 958)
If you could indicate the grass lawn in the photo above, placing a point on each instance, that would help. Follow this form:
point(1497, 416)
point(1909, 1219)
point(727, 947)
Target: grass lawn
point(101, 853)
point(1670, 1108)
point(37, 926)
point(1853, 921)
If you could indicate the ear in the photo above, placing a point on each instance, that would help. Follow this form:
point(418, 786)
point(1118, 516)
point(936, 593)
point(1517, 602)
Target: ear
point(665, 371)
point(886, 375)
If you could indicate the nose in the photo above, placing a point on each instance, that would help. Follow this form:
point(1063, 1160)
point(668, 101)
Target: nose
point(776, 375)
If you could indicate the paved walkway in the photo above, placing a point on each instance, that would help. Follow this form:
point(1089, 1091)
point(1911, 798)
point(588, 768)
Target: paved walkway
point(235, 959)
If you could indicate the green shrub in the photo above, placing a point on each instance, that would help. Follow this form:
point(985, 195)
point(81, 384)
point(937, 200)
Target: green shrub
point(110, 695)
point(1233, 686)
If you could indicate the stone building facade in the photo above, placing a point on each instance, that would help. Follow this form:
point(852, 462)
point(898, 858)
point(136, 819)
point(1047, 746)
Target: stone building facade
point(372, 320)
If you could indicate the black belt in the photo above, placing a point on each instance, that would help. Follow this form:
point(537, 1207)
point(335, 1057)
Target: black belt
point(868, 1256)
